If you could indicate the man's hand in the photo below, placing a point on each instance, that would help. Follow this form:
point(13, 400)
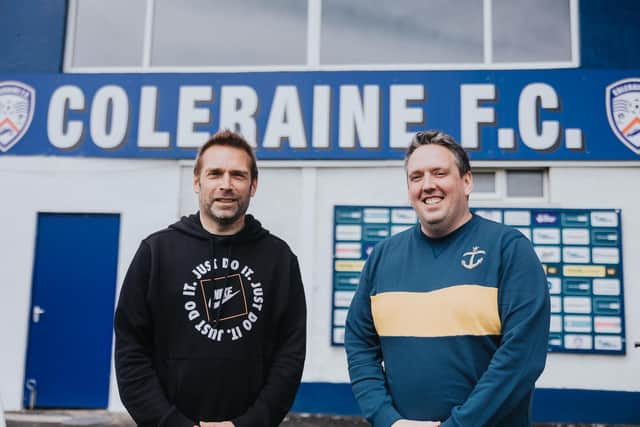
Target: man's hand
point(412, 423)
point(216, 424)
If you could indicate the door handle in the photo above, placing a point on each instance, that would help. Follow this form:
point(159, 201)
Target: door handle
point(31, 386)
point(37, 311)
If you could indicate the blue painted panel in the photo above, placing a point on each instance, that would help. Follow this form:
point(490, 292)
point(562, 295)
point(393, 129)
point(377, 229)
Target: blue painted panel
point(609, 33)
point(74, 281)
point(32, 34)
point(549, 405)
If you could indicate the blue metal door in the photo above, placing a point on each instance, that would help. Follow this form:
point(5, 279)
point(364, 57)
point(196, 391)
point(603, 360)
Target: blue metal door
point(72, 305)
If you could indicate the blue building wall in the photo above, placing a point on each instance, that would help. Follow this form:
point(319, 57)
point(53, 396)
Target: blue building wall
point(609, 33)
point(32, 33)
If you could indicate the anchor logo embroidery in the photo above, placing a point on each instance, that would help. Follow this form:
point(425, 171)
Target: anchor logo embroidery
point(473, 258)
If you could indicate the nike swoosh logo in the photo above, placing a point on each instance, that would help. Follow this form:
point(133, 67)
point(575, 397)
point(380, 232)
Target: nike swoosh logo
point(225, 299)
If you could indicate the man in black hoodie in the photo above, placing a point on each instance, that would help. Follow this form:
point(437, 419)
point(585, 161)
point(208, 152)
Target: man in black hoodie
point(211, 321)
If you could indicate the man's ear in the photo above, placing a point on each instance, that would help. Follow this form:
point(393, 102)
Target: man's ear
point(467, 179)
point(196, 184)
point(254, 187)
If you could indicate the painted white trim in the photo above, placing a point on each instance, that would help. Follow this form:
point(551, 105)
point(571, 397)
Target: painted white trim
point(288, 68)
point(69, 43)
point(148, 34)
point(574, 10)
point(314, 22)
point(487, 22)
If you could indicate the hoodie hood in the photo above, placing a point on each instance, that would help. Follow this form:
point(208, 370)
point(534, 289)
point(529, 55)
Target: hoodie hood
point(192, 226)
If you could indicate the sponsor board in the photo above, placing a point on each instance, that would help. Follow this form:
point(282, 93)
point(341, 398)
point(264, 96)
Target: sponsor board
point(606, 255)
point(606, 287)
point(548, 253)
point(339, 317)
point(403, 216)
point(578, 342)
point(376, 215)
point(577, 305)
point(554, 285)
point(576, 254)
point(546, 236)
point(342, 298)
point(575, 236)
point(348, 232)
point(607, 324)
point(608, 342)
point(522, 218)
point(348, 250)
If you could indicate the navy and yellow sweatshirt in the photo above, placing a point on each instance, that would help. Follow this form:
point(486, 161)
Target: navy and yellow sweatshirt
point(452, 329)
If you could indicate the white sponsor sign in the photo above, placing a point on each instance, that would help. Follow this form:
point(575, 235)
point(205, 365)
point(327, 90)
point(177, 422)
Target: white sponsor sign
point(555, 323)
point(548, 253)
point(578, 342)
point(607, 324)
point(556, 304)
point(342, 298)
point(490, 214)
point(376, 215)
point(403, 216)
point(606, 255)
point(576, 254)
point(348, 232)
point(606, 287)
point(517, 217)
point(604, 219)
point(554, 285)
point(577, 305)
point(348, 250)
point(339, 317)
point(577, 323)
point(546, 236)
point(575, 236)
point(607, 342)
point(338, 335)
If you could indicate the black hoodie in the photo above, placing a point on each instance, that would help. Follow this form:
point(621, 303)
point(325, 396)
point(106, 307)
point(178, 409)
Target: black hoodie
point(210, 328)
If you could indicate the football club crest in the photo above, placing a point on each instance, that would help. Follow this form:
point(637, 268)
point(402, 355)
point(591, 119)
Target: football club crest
point(17, 102)
point(623, 111)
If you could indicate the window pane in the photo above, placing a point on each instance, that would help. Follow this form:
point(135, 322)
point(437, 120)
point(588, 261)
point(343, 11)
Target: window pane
point(524, 184)
point(229, 32)
point(109, 33)
point(484, 182)
point(400, 32)
point(525, 30)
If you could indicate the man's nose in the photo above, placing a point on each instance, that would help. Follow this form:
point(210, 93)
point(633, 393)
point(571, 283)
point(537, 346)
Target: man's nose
point(427, 183)
point(226, 180)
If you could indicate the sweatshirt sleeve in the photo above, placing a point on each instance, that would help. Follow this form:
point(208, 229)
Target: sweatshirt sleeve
point(519, 360)
point(364, 356)
point(138, 382)
point(277, 395)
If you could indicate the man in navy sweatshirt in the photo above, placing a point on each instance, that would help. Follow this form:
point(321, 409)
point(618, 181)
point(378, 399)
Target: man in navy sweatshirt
point(211, 319)
point(449, 325)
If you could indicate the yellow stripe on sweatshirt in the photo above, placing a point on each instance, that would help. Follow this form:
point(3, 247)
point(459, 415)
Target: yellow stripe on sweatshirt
point(453, 311)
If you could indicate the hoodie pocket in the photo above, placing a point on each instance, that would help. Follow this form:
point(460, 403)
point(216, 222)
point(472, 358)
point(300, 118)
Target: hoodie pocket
point(214, 389)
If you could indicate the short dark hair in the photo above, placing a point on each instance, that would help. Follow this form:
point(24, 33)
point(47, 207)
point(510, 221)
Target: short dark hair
point(437, 137)
point(227, 138)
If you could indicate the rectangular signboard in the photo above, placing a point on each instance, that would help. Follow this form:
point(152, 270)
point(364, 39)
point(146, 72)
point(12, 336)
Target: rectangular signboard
point(533, 115)
point(580, 250)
